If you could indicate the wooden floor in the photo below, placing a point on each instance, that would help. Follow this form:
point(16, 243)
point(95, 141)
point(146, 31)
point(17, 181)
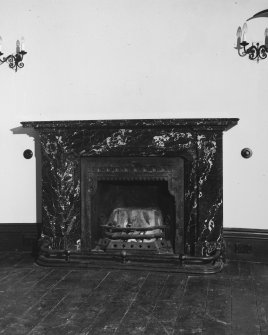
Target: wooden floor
point(38, 300)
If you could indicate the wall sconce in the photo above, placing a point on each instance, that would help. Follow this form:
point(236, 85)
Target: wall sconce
point(256, 51)
point(14, 60)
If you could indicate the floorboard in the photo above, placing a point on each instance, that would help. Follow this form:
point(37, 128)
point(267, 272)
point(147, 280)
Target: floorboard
point(53, 301)
point(167, 306)
point(218, 315)
point(245, 318)
point(140, 311)
point(260, 282)
point(192, 309)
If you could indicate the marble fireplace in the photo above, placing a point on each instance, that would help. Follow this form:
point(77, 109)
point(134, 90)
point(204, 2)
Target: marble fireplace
point(132, 193)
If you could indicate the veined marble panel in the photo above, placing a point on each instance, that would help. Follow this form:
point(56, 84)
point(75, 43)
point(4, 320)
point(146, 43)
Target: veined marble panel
point(197, 141)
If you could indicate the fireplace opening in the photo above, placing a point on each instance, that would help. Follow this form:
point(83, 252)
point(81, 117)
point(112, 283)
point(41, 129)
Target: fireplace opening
point(143, 187)
point(134, 216)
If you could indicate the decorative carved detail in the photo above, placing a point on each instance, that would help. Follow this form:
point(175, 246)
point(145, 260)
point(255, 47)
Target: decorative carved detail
point(150, 172)
point(173, 185)
point(152, 169)
point(92, 184)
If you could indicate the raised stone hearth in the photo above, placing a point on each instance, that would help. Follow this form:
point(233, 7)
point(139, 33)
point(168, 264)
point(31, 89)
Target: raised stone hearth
point(132, 193)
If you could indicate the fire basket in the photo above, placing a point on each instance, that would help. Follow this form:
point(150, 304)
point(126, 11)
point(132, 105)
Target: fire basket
point(136, 229)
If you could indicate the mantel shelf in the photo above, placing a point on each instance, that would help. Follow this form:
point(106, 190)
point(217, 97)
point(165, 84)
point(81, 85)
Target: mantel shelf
point(222, 124)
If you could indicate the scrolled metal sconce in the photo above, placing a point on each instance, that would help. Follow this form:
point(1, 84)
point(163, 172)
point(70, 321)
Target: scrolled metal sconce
point(256, 51)
point(14, 60)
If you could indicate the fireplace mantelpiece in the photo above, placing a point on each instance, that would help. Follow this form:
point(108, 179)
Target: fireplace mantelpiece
point(193, 150)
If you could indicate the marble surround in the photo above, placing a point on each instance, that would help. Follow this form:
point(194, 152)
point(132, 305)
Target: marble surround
point(197, 141)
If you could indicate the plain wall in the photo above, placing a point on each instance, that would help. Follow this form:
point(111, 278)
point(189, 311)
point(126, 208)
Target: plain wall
point(110, 59)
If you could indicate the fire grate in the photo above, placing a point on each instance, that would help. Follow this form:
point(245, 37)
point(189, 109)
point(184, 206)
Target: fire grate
point(135, 229)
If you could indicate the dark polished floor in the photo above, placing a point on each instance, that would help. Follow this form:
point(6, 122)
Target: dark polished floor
point(38, 300)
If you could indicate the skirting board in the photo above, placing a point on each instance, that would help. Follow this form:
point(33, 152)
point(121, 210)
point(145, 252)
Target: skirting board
point(246, 244)
point(241, 244)
point(18, 236)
